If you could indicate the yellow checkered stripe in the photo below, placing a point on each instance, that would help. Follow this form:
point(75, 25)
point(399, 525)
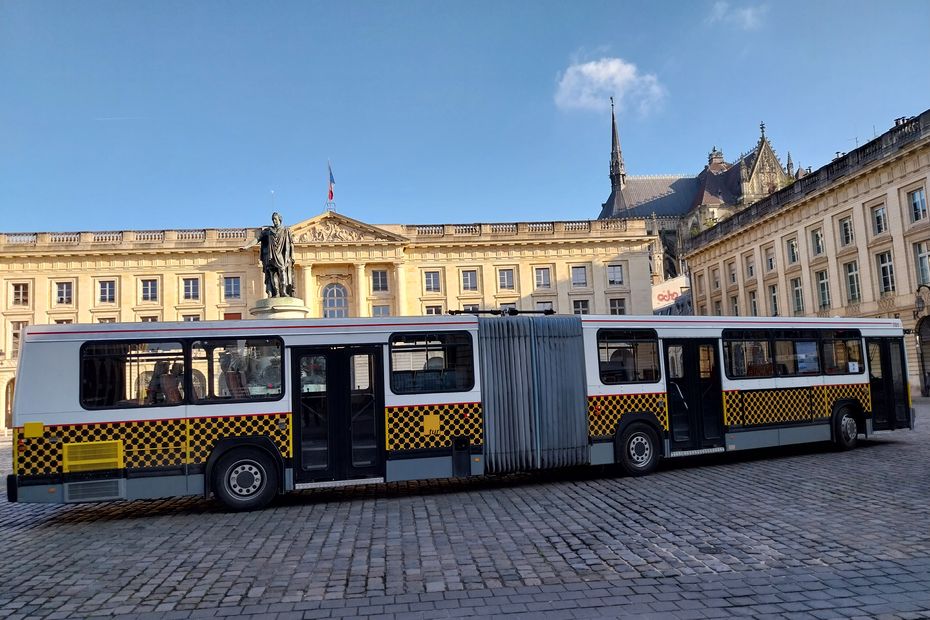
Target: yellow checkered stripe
point(604, 412)
point(787, 405)
point(414, 427)
point(146, 443)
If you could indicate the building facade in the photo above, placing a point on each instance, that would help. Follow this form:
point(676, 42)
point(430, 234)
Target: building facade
point(343, 268)
point(850, 239)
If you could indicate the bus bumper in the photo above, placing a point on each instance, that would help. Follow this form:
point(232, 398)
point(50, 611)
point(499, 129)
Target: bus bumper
point(11, 488)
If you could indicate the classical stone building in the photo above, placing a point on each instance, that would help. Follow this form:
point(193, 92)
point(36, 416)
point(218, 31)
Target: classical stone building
point(344, 268)
point(850, 239)
point(683, 206)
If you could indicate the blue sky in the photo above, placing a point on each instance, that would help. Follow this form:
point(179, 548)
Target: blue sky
point(160, 114)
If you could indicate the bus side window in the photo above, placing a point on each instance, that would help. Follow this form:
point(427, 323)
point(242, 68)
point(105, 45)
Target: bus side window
point(627, 356)
point(427, 363)
point(238, 369)
point(117, 375)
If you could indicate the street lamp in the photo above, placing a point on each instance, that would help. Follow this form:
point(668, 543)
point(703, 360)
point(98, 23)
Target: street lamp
point(919, 303)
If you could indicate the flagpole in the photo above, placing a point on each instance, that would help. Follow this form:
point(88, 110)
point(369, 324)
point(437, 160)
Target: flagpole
point(331, 191)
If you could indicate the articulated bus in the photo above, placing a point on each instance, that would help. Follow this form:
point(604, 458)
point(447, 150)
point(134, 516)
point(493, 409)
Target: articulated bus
point(244, 410)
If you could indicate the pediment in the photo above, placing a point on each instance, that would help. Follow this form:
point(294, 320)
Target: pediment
point(332, 227)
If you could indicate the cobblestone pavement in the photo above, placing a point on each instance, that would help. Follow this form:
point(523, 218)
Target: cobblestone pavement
point(803, 533)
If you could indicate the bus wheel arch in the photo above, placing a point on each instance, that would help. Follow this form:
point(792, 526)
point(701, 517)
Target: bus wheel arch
point(256, 456)
point(846, 422)
point(638, 443)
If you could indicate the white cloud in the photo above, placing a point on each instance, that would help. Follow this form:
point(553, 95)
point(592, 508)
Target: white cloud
point(590, 85)
point(744, 17)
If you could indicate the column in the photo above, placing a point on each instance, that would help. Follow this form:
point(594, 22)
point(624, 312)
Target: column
point(400, 288)
point(361, 290)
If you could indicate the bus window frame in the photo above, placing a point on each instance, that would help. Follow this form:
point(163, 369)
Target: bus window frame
point(189, 379)
point(774, 335)
point(649, 335)
point(844, 335)
point(390, 364)
point(185, 354)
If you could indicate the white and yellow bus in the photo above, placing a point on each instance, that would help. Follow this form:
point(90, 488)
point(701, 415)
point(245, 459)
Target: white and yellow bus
point(243, 410)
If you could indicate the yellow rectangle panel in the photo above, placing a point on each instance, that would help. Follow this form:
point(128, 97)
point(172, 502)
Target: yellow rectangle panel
point(91, 456)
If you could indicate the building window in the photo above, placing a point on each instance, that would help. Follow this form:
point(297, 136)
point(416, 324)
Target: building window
point(470, 308)
point(770, 259)
point(470, 280)
point(380, 311)
point(792, 251)
point(335, 301)
point(232, 288)
point(543, 277)
point(750, 267)
point(505, 279)
point(432, 310)
point(64, 321)
point(852, 281)
point(699, 284)
point(922, 253)
point(797, 294)
point(732, 269)
point(20, 294)
point(823, 289)
point(107, 291)
point(718, 308)
point(191, 289)
point(753, 304)
point(579, 276)
point(846, 231)
point(232, 316)
point(149, 290)
point(734, 306)
point(148, 319)
point(431, 281)
point(379, 281)
point(817, 242)
point(544, 306)
point(614, 275)
point(617, 306)
point(16, 333)
point(879, 219)
point(885, 272)
point(918, 201)
point(107, 319)
point(702, 310)
point(773, 299)
point(581, 306)
point(190, 318)
point(506, 308)
point(64, 295)
point(715, 279)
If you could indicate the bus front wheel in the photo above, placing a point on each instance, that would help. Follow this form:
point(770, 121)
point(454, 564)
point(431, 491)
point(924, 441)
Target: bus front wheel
point(638, 450)
point(245, 479)
point(845, 429)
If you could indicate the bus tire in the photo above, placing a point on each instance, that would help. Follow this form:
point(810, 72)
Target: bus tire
point(638, 449)
point(845, 429)
point(245, 479)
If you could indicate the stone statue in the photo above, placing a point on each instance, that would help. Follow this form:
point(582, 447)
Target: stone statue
point(277, 258)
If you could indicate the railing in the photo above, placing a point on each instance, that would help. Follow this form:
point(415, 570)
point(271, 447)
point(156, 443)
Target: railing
point(503, 229)
point(149, 236)
point(437, 230)
point(22, 238)
point(467, 229)
point(577, 227)
point(612, 224)
point(64, 238)
point(230, 233)
point(113, 236)
point(540, 227)
point(192, 235)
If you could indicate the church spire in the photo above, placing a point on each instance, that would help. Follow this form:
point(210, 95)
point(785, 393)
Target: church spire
point(617, 169)
point(789, 166)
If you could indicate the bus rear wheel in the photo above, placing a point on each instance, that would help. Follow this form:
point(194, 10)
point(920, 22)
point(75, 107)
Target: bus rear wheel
point(845, 429)
point(638, 449)
point(245, 479)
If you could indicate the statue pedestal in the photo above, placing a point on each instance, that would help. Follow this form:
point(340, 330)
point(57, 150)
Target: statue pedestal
point(280, 308)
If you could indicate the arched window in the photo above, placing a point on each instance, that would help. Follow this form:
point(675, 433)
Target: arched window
point(8, 414)
point(335, 302)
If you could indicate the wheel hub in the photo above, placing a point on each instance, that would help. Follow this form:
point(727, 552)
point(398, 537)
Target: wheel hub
point(640, 450)
point(245, 479)
point(848, 424)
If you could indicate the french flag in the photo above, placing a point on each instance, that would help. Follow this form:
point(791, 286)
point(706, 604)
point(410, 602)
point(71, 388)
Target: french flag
point(332, 182)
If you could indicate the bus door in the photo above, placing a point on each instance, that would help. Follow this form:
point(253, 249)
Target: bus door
point(695, 397)
point(888, 383)
point(338, 413)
